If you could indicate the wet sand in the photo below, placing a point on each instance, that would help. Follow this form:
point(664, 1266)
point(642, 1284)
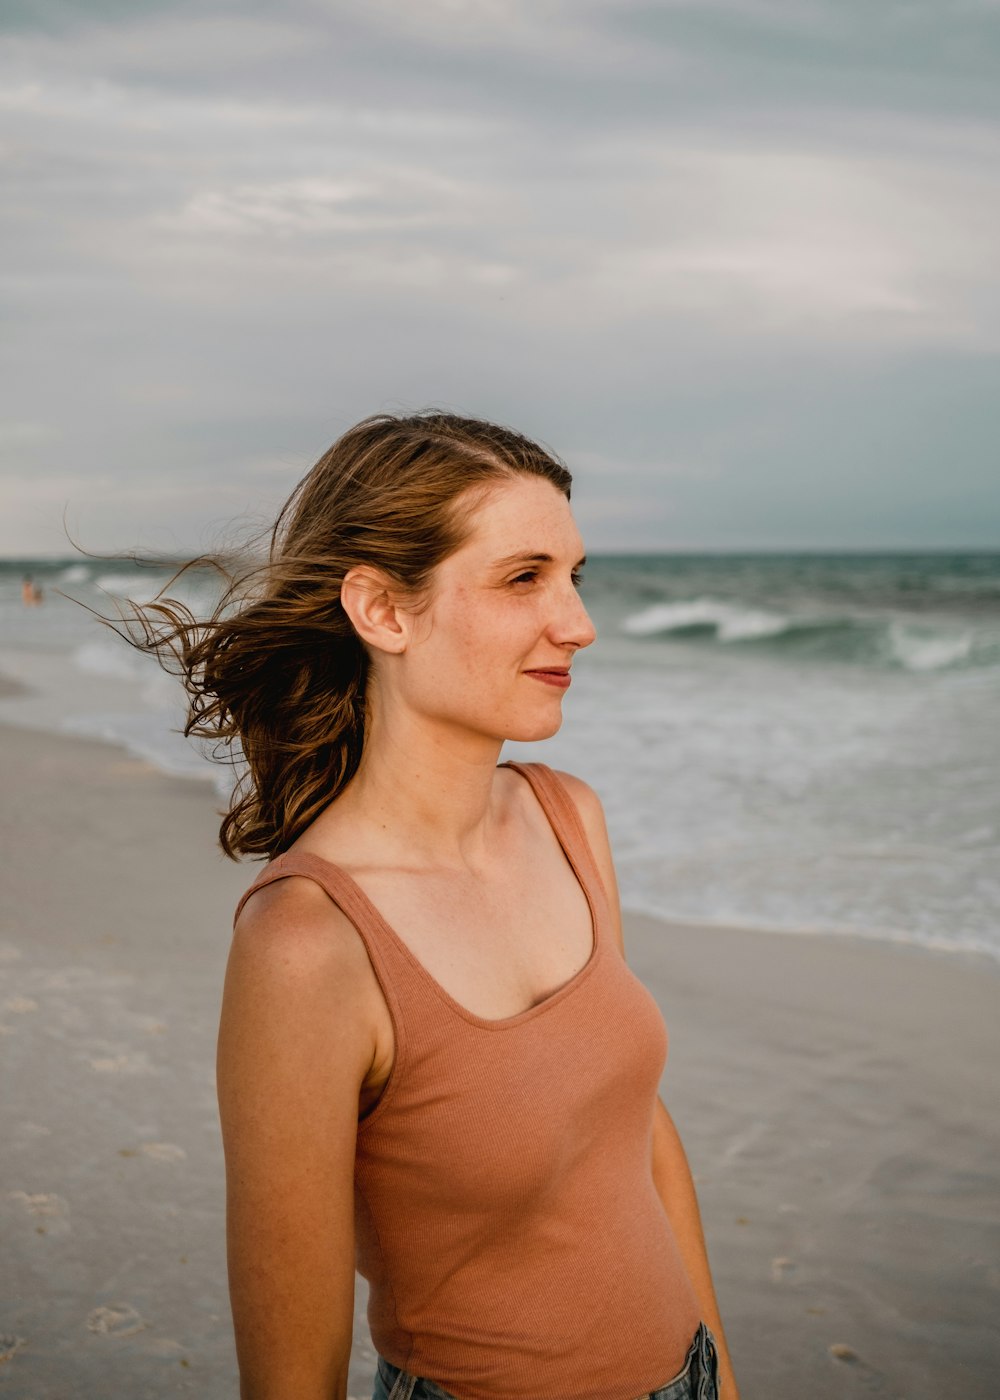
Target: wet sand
point(837, 1100)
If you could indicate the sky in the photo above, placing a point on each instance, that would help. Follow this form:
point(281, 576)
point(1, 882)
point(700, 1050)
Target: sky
point(735, 261)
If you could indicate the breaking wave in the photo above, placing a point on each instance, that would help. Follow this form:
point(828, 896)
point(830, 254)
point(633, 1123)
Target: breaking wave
point(873, 639)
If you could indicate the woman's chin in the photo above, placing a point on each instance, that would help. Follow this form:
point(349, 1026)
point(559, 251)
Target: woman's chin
point(537, 730)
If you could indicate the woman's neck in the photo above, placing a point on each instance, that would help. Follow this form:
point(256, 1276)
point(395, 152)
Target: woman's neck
point(420, 796)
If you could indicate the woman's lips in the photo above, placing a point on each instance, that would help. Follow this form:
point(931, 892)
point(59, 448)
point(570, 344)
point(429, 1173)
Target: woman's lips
point(560, 679)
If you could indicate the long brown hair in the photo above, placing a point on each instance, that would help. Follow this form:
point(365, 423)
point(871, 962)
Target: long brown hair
point(275, 676)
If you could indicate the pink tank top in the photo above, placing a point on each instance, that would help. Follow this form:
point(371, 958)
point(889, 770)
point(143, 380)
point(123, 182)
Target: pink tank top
point(505, 1213)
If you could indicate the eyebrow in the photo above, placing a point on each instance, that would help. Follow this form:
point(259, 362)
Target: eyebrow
point(533, 558)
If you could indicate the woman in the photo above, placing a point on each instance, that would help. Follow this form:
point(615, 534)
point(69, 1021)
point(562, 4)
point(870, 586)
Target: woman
point(433, 1059)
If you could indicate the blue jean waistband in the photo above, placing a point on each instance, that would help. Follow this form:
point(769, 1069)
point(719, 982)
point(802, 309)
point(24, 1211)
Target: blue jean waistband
point(696, 1380)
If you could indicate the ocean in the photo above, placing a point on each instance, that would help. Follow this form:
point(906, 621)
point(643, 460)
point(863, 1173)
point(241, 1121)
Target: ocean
point(796, 741)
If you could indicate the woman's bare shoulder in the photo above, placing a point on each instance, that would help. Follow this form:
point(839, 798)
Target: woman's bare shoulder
point(300, 1002)
point(291, 929)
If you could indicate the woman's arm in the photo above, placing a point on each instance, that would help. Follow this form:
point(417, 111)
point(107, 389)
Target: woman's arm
point(671, 1173)
point(295, 1044)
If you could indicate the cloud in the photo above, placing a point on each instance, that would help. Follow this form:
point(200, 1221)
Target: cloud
point(626, 227)
point(859, 246)
point(307, 206)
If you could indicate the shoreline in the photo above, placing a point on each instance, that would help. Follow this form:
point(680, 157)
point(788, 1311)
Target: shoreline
point(985, 958)
point(834, 1094)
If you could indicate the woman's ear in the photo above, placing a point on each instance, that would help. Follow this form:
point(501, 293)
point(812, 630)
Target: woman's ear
point(368, 599)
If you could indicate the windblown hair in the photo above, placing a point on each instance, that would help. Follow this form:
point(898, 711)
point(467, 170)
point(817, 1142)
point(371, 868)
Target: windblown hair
point(276, 674)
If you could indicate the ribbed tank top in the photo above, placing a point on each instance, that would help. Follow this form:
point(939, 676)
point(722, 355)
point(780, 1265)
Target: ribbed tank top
point(506, 1217)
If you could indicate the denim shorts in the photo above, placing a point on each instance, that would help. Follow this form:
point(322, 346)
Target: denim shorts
point(698, 1378)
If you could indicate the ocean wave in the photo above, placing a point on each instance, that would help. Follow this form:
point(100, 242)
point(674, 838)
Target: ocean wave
point(107, 658)
point(871, 639)
point(130, 587)
point(918, 649)
point(76, 573)
point(200, 593)
point(729, 621)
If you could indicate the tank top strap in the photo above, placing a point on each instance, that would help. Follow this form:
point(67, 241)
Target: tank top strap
point(381, 943)
point(565, 820)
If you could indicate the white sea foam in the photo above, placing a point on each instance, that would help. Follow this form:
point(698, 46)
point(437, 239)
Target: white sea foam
point(918, 649)
point(107, 658)
point(732, 623)
point(76, 573)
point(132, 587)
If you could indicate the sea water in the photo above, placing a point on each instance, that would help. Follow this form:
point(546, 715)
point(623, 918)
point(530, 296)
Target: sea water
point(797, 741)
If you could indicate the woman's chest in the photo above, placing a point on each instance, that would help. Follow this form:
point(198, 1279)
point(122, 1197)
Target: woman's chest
point(495, 949)
point(496, 946)
point(514, 1110)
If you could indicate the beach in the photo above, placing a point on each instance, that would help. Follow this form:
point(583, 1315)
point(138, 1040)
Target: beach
point(836, 1098)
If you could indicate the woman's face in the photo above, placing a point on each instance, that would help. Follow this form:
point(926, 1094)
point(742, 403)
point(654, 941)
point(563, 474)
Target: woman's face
point(491, 653)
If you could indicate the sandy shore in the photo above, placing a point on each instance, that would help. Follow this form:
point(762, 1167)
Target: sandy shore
point(9, 689)
point(837, 1100)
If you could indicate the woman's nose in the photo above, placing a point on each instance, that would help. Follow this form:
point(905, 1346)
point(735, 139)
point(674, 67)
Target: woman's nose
point(574, 626)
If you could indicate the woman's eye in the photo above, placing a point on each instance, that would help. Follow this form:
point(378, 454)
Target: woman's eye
point(531, 575)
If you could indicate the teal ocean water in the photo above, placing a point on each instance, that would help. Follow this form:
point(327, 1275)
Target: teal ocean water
point(809, 742)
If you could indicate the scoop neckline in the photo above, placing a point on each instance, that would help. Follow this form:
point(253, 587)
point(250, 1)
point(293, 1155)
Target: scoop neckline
point(487, 1022)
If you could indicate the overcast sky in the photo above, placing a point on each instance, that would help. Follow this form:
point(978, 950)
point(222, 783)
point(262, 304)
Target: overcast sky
point(735, 260)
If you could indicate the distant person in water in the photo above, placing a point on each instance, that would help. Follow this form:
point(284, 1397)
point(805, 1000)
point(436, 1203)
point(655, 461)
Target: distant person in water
point(31, 594)
point(434, 1062)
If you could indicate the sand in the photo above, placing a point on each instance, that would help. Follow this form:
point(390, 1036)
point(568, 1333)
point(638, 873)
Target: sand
point(837, 1099)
